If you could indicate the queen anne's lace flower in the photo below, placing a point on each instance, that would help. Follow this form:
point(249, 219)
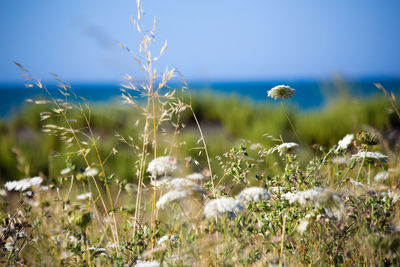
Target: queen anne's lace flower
point(319, 197)
point(394, 196)
point(23, 184)
point(281, 91)
point(345, 142)
point(172, 196)
point(3, 193)
point(253, 194)
point(370, 157)
point(340, 160)
point(83, 196)
point(286, 148)
point(222, 206)
point(166, 238)
point(140, 263)
point(195, 176)
point(381, 176)
point(302, 226)
point(65, 171)
point(177, 184)
point(90, 171)
point(163, 165)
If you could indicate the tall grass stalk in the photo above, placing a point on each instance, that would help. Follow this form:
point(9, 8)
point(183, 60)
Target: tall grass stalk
point(62, 110)
point(391, 97)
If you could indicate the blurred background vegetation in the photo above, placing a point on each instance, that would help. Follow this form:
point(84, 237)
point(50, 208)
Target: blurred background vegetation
point(226, 120)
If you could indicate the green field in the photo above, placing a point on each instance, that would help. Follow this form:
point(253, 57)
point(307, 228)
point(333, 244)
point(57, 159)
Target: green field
point(311, 205)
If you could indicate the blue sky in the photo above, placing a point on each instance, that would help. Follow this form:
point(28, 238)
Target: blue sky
point(207, 40)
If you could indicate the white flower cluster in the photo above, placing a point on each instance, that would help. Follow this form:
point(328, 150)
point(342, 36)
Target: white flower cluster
point(23, 184)
point(345, 142)
point(286, 148)
point(340, 160)
point(180, 188)
point(222, 206)
point(65, 171)
point(90, 171)
point(3, 193)
point(281, 91)
point(356, 183)
point(394, 196)
point(165, 238)
point(172, 196)
point(229, 206)
point(381, 176)
point(176, 183)
point(302, 226)
point(370, 156)
point(162, 166)
point(319, 197)
point(195, 176)
point(84, 196)
point(253, 194)
point(140, 263)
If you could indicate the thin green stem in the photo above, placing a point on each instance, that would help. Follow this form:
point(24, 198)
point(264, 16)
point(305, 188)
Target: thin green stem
point(291, 124)
point(362, 164)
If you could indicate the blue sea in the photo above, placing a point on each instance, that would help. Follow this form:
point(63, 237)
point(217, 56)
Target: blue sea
point(309, 94)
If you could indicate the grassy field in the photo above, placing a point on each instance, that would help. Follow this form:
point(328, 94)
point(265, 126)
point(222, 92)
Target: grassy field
point(309, 206)
point(174, 179)
point(24, 145)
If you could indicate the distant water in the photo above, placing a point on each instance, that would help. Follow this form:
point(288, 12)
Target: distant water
point(309, 94)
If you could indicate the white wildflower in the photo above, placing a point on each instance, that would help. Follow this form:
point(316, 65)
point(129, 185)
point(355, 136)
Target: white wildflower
point(195, 176)
point(36, 181)
point(44, 188)
point(354, 182)
point(172, 196)
point(256, 146)
point(370, 157)
point(319, 197)
point(275, 189)
point(286, 148)
point(281, 91)
point(345, 142)
point(84, 196)
point(381, 176)
point(166, 238)
point(178, 184)
point(182, 183)
point(3, 192)
point(140, 263)
point(9, 246)
point(302, 226)
point(291, 197)
point(340, 160)
point(253, 194)
point(23, 184)
point(303, 197)
point(65, 171)
point(309, 215)
point(393, 195)
point(161, 182)
point(90, 171)
point(221, 206)
point(163, 165)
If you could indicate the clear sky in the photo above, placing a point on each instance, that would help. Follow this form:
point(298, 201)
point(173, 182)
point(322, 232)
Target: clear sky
point(207, 40)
